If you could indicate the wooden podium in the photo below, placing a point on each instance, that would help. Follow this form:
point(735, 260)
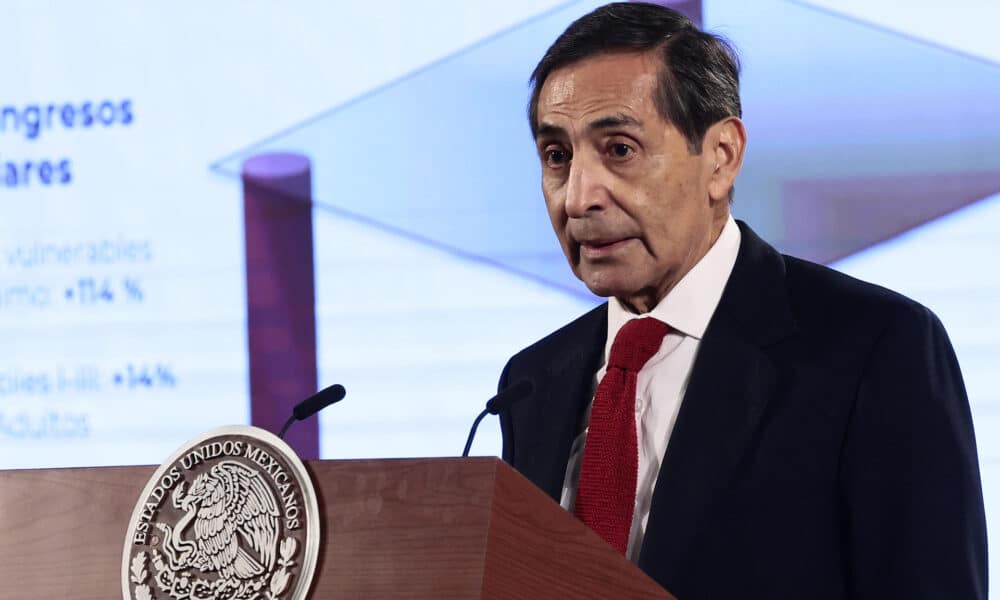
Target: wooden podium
point(404, 528)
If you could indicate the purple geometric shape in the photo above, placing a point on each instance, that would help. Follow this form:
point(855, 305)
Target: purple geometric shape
point(828, 219)
point(689, 8)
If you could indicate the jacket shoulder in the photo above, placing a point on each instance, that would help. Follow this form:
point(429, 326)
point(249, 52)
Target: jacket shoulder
point(821, 296)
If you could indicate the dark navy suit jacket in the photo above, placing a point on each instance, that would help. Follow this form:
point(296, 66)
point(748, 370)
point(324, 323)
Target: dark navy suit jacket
point(823, 450)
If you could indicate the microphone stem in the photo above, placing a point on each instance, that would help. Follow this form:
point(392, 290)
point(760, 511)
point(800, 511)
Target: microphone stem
point(284, 428)
point(472, 432)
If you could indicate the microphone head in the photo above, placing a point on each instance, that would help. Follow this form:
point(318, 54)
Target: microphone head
point(509, 395)
point(318, 401)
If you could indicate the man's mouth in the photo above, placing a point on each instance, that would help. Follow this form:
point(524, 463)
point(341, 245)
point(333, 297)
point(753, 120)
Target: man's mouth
point(601, 248)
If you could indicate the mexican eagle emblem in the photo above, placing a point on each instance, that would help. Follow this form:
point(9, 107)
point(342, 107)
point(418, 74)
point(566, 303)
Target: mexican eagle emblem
point(234, 517)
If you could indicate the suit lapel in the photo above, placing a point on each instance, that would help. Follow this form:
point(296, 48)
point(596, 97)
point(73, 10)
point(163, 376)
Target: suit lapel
point(546, 427)
point(731, 382)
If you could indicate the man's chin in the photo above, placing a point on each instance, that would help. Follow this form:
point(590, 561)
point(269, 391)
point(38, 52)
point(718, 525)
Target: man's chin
point(633, 296)
point(606, 289)
point(611, 277)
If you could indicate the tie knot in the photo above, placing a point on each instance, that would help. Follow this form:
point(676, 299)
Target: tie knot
point(637, 341)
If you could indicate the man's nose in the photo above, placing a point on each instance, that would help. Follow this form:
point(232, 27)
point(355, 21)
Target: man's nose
point(586, 189)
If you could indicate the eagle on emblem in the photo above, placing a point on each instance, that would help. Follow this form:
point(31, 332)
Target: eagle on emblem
point(235, 518)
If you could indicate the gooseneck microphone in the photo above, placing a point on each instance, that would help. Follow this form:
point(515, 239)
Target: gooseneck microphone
point(499, 403)
point(313, 404)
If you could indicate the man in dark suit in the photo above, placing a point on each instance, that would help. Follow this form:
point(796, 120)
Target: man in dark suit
point(740, 423)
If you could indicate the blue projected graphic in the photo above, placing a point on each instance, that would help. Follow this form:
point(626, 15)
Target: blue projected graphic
point(444, 156)
point(419, 157)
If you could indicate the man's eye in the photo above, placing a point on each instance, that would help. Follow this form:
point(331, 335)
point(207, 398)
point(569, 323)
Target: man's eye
point(556, 157)
point(620, 150)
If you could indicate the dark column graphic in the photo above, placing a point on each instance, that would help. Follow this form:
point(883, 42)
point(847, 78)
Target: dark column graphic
point(281, 319)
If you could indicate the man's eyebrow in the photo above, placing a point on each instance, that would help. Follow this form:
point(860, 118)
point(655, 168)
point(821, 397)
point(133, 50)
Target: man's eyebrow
point(548, 130)
point(612, 121)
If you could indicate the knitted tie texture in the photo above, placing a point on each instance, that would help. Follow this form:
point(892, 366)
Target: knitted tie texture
point(605, 496)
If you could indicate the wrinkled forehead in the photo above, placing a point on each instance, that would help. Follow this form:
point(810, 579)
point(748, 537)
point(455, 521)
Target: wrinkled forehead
point(612, 83)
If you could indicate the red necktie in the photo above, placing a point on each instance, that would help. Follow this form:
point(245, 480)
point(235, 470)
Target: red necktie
point(605, 496)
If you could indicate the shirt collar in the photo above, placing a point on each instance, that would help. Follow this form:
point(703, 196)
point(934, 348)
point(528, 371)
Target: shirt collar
point(688, 307)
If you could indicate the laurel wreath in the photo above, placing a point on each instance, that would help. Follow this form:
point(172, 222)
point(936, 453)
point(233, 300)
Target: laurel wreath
point(281, 577)
point(180, 585)
point(138, 576)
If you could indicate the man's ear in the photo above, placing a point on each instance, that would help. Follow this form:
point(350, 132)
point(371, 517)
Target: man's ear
point(725, 143)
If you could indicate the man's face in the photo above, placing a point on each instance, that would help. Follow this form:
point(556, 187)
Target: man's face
point(629, 202)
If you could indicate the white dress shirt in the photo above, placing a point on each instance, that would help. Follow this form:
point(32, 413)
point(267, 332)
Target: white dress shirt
point(661, 383)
